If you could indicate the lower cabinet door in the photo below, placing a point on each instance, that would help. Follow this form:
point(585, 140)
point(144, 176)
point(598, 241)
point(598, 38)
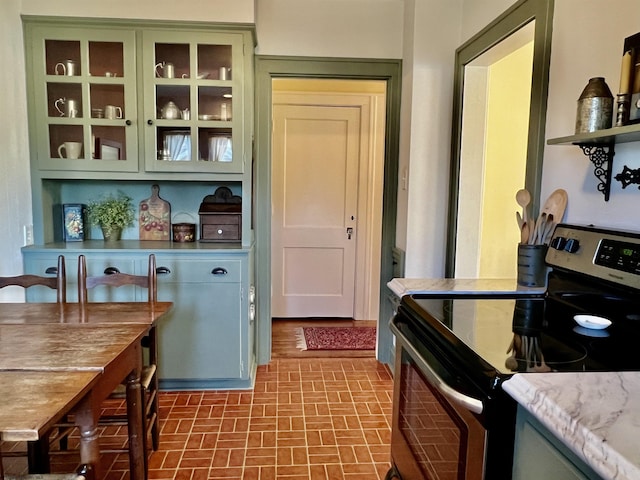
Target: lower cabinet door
point(200, 339)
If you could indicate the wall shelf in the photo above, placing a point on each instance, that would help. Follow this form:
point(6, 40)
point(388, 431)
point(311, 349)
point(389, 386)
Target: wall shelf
point(626, 134)
point(599, 146)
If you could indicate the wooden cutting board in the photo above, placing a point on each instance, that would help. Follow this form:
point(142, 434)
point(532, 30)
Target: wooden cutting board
point(155, 217)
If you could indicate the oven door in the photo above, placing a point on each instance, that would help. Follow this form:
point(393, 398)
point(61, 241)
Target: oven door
point(437, 430)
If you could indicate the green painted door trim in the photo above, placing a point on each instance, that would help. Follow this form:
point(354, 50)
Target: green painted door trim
point(269, 67)
point(517, 16)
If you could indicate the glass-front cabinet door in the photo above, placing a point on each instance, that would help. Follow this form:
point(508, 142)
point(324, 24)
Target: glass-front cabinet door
point(85, 99)
point(193, 101)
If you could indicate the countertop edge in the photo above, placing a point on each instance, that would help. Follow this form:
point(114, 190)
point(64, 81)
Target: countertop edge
point(572, 406)
point(459, 286)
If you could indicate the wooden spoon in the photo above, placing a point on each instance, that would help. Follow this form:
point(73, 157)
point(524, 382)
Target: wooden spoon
point(524, 233)
point(556, 204)
point(540, 224)
point(548, 230)
point(523, 197)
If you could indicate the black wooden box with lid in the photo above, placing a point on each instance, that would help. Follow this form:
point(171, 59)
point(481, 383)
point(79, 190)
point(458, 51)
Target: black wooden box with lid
point(221, 217)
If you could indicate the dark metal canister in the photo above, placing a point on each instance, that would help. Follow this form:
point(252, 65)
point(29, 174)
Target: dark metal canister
point(595, 107)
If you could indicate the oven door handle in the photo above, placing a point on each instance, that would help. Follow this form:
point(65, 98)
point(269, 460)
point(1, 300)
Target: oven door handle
point(472, 404)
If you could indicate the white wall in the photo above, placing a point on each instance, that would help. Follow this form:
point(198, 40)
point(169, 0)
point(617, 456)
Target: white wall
point(432, 35)
point(478, 14)
point(238, 11)
point(15, 199)
point(330, 28)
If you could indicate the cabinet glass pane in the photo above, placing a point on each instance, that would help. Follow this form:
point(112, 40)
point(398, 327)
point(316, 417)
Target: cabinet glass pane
point(66, 141)
point(214, 103)
point(64, 100)
point(172, 60)
point(171, 101)
point(62, 57)
point(109, 143)
point(107, 101)
point(214, 62)
point(106, 59)
point(174, 144)
point(215, 144)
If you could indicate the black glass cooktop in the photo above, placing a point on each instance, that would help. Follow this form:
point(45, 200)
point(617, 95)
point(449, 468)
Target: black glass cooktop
point(532, 334)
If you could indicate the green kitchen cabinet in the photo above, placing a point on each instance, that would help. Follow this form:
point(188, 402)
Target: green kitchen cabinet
point(82, 96)
point(205, 342)
point(122, 96)
point(194, 101)
point(539, 454)
point(207, 339)
point(136, 103)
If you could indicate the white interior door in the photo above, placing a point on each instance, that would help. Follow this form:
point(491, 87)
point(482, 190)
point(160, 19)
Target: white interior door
point(315, 161)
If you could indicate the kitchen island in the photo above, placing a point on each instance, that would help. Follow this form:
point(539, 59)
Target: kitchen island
point(595, 414)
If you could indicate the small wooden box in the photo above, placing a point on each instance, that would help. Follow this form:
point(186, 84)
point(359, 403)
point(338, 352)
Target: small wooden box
point(220, 227)
point(221, 217)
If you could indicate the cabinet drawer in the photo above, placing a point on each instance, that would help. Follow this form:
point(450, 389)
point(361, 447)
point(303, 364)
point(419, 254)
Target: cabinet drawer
point(199, 271)
point(220, 233)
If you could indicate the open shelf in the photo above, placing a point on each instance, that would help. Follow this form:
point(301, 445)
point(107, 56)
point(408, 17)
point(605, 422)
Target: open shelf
point(599, 146)
point(626, 134)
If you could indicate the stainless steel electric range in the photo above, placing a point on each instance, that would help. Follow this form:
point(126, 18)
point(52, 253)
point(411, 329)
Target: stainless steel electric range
point(451, 418)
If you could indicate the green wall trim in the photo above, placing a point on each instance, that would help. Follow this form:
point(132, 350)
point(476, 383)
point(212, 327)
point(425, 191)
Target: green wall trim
point(135, 23)
point(269, 67)
point(517, 16)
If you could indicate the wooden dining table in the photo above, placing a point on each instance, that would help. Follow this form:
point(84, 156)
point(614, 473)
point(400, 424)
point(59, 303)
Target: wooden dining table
point(101, 339)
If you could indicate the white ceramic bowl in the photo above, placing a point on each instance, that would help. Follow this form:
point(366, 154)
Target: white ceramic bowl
point(592, 321)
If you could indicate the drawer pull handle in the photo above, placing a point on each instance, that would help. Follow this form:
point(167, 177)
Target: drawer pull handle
point(219, 271)
point(51, 271)
point(111, 271)
point(163, 270)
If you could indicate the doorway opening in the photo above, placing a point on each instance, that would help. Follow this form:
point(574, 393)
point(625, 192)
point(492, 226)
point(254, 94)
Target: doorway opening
point(327, 163)
point(267, 70)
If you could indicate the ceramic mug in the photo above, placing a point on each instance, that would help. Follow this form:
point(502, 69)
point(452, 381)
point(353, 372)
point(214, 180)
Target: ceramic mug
point(111, 112)
point(72, 150)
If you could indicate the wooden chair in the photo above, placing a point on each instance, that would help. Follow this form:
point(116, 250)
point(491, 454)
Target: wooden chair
point(38, 451)
point(83, 473)
point(59, 282)
point(149, 377)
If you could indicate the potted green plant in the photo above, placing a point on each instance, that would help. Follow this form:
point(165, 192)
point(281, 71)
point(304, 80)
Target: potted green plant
point(112, 214)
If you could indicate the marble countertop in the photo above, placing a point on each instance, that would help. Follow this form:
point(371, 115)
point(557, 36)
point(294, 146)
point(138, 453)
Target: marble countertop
point(596, 414)
point(453, 286)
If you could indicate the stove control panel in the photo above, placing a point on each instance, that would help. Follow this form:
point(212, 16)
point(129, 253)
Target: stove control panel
point(605, 254)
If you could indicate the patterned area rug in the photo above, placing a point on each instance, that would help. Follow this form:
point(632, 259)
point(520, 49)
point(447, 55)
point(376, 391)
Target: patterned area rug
point(336, 338)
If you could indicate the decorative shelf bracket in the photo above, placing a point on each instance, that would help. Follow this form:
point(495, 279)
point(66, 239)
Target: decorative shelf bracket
point(601, 155)
point(629, 176)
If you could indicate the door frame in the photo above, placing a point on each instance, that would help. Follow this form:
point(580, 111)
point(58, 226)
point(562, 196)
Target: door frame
point(267, 68)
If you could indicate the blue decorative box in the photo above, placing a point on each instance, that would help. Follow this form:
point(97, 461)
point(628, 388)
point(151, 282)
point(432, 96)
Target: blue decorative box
point(73, 222)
